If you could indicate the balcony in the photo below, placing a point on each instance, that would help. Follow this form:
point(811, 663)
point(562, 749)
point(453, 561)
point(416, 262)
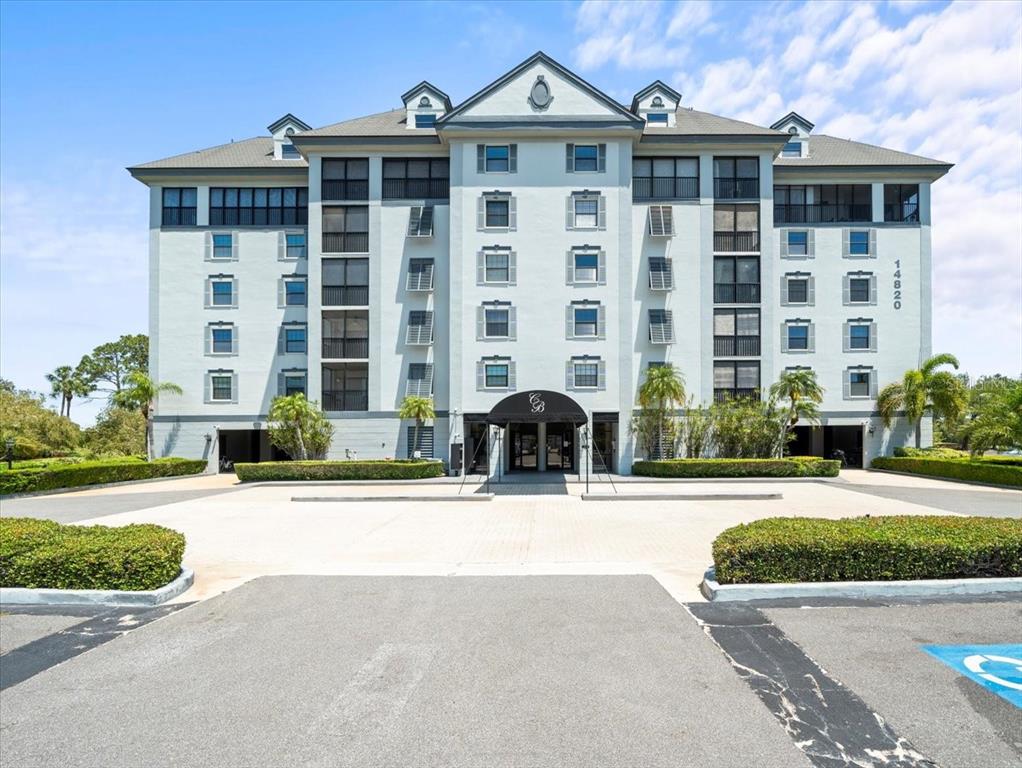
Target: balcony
point(342, 400)
point(664, 188)
point(416, 189)
point(345, 295)
point(723, 395)
point(736, 293)
point(822, 213)
point(345, 349)
point(901, 212)
point(345, 189)
point(735, 346)
point(737, 242)
point(345, 242)
point(735, 189)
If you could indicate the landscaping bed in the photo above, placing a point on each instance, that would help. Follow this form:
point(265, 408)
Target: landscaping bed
point(791, 467)
point(41, 554)
point(794, 549)
point(396, 469)
point(999, 470)
point(48, 477)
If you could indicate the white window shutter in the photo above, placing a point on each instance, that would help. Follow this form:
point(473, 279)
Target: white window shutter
point(872, 337)
point(234, 387)
point(601, 374)
point(873, 289)
point(480, 267)
point(481, 213)
point(784, 337)
point(846, 334)
point(480, 323)
point(846, 384)
point(511, 375)
point(873, 383)
point(208, 389)
point(846, 290)
point(480, 375)
point(512, 268)
point(872, 243)
point(846, 247)
point(281, 293)
point(569, 268)
point(281, 246)
point(601, 153)
point(812, 292)
point(784, 290)
point(812, 337)
point(569, 375)
point(784, 244)
point(569, 322)
point(512, 214)
point(209, 293)
point(209, 340)
point(569, 158)
point(602, 216)
point(811, 242)
point(512, 323)
point(569, 213)
point(512, 158)
point(209, 246)
point(601, 268)
point(601, 322)
point(234, 246)
point(480, 158)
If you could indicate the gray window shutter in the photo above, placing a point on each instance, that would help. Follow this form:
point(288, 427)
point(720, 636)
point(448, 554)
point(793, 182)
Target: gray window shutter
point(784, 290)
point(280, 340)
point(846, 333)
point(872, 337)
point(812, 292)
point(811, 243)
point(569, 322)
point(601, 322)
point(480, 323)
point(512, 268)
point(512, 158)
point(872, 383)
point(281, 386)
point(234, 387)
point(281, 246)
point(569, 213)
point(569, 268)
point(512, 323)
point(601, 268)
point(569, 158)
point(281, 293)
point(481, 213)
point(480, 158)
point(512, 214)
point(812, 337)
point(872, 243)
point(208, 389)
point(601, 374)
point(602, 158)
point(569, 375)
point(846, 247)
point(209, 246)
point(603, 212)
point(846, 384)
point(511, 375)
point(846, 290)
point(873, 289)
point(234, 339)
point(480, 267)
point(784, 337)
point(209, 293)
point(784, 244)
point(208, 340)
point(480, 375)
point(234, 246)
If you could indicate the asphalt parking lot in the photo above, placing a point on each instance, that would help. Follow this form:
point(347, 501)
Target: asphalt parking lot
point(510, 671)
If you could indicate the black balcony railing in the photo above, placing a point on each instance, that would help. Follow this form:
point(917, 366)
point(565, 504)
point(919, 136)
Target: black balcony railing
point(345, 189)
point(744, 242)
point(341, 400)
point(901, 212)
point(735, 346)
point(735, 189)
point(345, 295)
point(736, 293)
point(336, 348)
point(259, 217)
point(416, 189)
point(664, 188)
point(345, 242)
point(821, 213)
point(722, 395)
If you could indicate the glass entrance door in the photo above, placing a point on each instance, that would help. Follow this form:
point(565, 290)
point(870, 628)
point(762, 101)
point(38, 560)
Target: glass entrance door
point(560, 447)
point(604, 446)
point(524, 447)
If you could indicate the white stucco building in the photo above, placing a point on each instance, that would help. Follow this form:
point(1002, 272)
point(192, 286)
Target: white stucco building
point(537, 236)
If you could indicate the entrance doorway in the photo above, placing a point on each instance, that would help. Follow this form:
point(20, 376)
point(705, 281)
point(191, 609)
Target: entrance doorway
point(604, 444)
point(524, 439)
point(477, 447)
point(560, 447)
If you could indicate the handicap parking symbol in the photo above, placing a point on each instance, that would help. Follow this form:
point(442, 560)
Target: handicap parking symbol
point(997, 668)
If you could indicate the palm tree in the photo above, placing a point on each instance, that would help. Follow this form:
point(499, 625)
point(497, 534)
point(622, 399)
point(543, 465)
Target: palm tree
point(141, 393)
point(804, 395)
point(663, 390)
point(420, 409)
point(925, 390)
point(67, 383)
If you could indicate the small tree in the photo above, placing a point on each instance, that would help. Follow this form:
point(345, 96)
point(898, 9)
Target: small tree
point(924, 390)
point(744, 428)
point(297, 427)
point(997, 424)
point(140, 392)
point(662, 392)
point(695, 432)
point(803, 394)
point(68, 383)
point(420, 409)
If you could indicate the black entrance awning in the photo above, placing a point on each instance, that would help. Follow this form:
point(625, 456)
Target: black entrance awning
point(536, 405)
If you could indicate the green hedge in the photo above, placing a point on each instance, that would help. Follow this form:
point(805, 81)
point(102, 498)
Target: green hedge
point(790, 549)
point(41, 554)
point(980, 471)
point(52, 477)
point(397, 469)
point(799, 466)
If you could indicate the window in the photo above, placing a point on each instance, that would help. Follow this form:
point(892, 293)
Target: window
point(798, 337)
point(735, 332)
point(346, 335)
point(295, 292)
point(294, 245)
point(733, 379)
point(792, 149)
point(496, 266)
point(422, 178)
point(345, 282)
point(497, 322)
point(822, 203)
point(295, 341)
point(859, 382)
point(420, 328)
point(289, 151)
point(425, 121)
point(665, 178)
point(661, 220)
point(736, 279)
point(736, 227)
point(585, 158)
point(346, 229)
point(179, 206)
point(498, 159)
point(858, 336)
point(420, 221)
point(294, 383)
point(497, 212)
point(223, 246)
point(858, 242)
point(346, 387)
point(656, 118)
point(587, 211)
point(420, 275)
point(901, 202)
point(586, 373)
point(222, 292)
point(587, 266)
point(221, 339)
point(345, 178)
point(221, 386)
point(661, 275)
point(798, 290)
point(496, 375)
point(735, 177)
point(259, 206)
point(859, 290)
point(798, 243)
point(420, 380)
point(661, 326)
point(586, 321)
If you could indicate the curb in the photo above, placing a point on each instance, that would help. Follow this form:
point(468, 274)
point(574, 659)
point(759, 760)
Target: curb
point(681, 496)
point(947, 479)
point(719, 593)
point(77, 488)
point(374, 499)
point(23, 596)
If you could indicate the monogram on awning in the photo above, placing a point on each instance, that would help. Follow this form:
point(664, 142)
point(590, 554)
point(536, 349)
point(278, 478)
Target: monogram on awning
point(536, 405)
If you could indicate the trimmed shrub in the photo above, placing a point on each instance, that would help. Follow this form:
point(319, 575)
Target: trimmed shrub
point(796, 466)
point(979, 471)
point(40, 554)
point(53, 476)
point(397, 469)
point(937, 452)
point(790, 549)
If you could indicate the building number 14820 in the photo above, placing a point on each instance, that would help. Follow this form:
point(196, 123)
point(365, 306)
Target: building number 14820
point(897, 284)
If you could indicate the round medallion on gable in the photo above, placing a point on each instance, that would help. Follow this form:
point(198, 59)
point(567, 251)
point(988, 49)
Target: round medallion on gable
point(540, 96)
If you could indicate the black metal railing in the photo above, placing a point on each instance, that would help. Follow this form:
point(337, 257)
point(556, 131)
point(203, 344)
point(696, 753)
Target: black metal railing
point(339, 348)
point(258, 217)
point(901, 212)
point(821, 213)
point(345, 242)
point(735, 189)
point(341, 400)
point(345, 295)
point(735, 346)
point(736, 241)
point(723, 395)
point(345, 189)
point(664, 188)
point(415, 189)
point(736, 293)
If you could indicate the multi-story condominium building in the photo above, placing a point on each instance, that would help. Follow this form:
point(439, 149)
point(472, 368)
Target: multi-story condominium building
point(537, 237)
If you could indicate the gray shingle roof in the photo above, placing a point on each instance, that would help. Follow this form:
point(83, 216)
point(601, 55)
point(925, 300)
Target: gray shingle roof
point(392, 123)
point(691, 122)
point(831, 151)
point(247, 153)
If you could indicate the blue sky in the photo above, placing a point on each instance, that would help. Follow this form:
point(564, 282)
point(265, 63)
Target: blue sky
point(89, 88)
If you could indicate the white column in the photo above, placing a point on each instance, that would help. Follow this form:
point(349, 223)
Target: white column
point(878, 202)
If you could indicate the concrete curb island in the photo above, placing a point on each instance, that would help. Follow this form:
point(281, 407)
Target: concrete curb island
point(23, 596)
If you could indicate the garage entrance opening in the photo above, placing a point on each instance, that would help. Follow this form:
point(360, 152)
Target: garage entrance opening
point(245, 446)
point(829, 442)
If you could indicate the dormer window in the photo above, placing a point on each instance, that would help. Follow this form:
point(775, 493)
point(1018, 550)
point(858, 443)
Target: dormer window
point(656, 118)
point(425, 121)
point(792, 149)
